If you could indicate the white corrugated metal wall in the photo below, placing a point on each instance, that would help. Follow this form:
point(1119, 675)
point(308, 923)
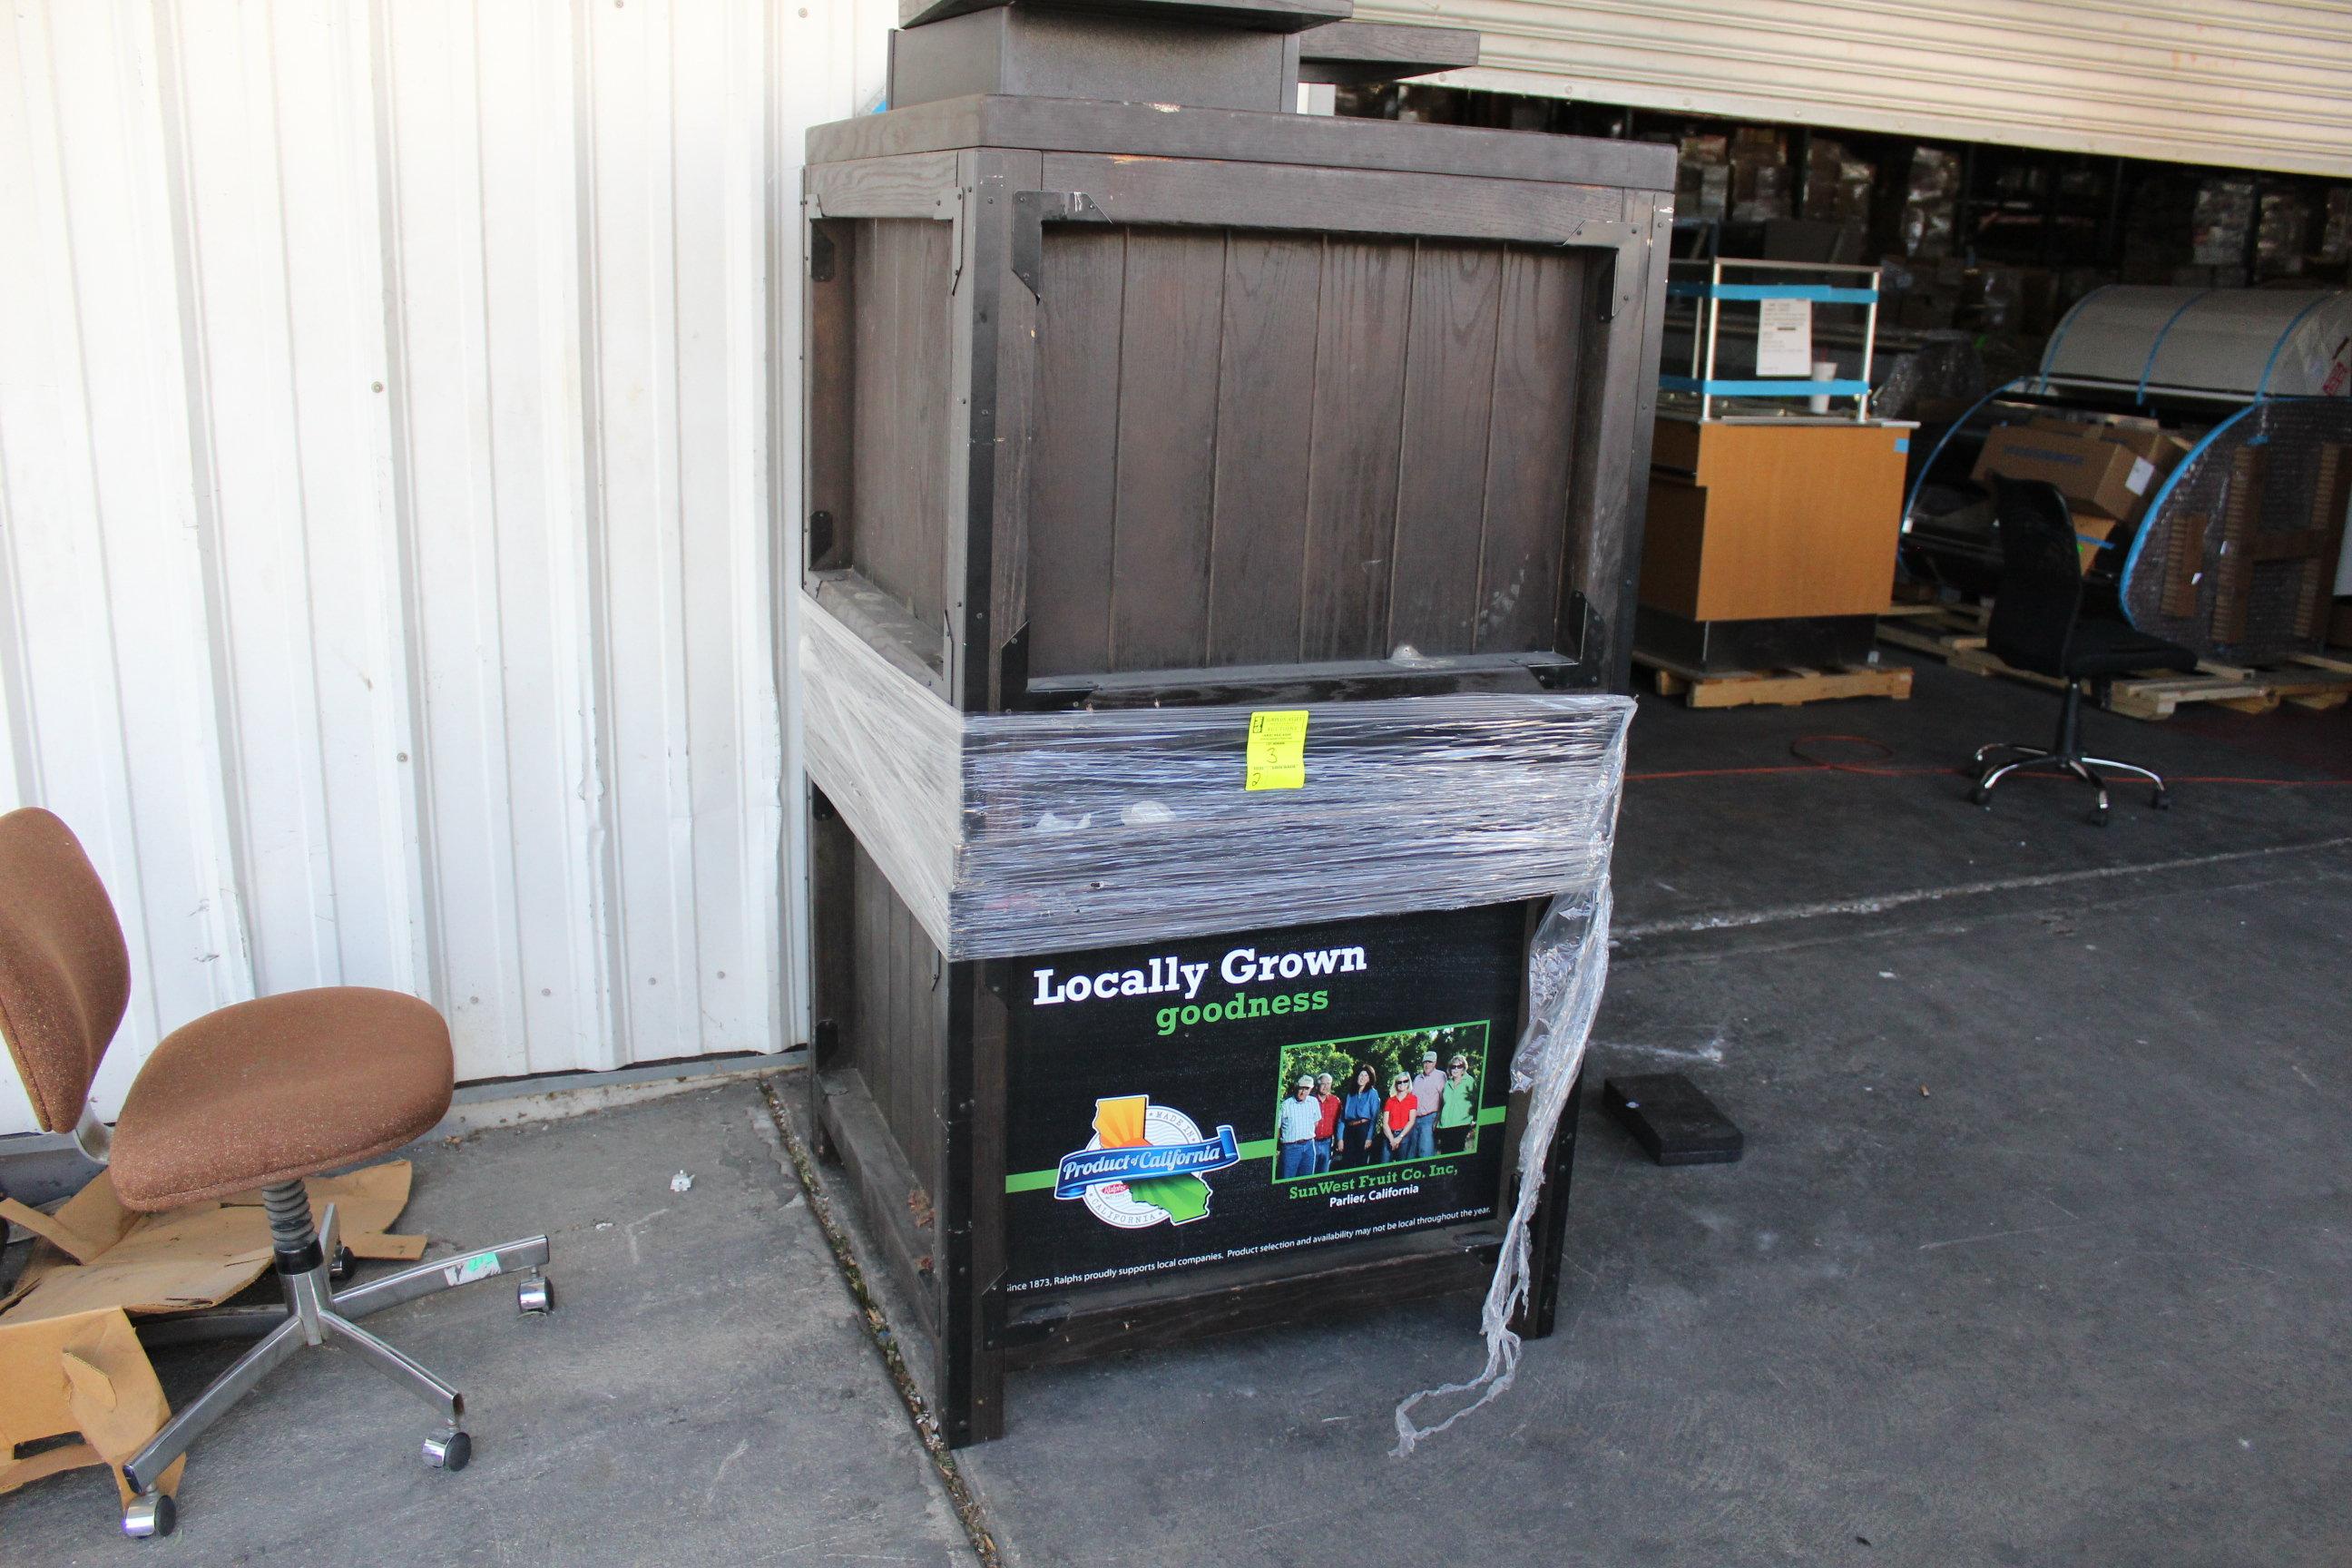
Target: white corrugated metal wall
point(2255, 84)
point(396, 400)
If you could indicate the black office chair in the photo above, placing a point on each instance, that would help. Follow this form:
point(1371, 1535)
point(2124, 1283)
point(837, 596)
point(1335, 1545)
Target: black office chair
point(2038, 625)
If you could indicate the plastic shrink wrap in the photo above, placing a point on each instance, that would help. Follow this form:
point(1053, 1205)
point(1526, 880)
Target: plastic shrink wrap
point(1032, 833)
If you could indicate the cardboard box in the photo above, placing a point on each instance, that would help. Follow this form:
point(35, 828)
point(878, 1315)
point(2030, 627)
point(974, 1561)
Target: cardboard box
point(2109, 469)
point(76, 1387)
point(2092, 533)
point(77, 1391)
point(2142, 437)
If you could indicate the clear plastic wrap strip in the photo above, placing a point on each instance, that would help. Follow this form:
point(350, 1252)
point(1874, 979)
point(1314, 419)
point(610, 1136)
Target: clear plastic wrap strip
point(1080, 830)
point(1568, 967)
point(1085, 830)
point(886, 753)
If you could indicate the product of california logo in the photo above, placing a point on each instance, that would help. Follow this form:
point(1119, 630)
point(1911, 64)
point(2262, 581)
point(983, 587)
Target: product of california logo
point(1144, 1164)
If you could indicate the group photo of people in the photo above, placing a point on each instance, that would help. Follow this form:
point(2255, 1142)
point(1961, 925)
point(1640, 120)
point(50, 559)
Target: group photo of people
point(1378, 1100)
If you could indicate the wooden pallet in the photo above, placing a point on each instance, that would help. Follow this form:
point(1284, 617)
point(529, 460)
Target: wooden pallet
point(1955, 634)
point(2307, 680)
point(1773, 688)
point(1942, 630)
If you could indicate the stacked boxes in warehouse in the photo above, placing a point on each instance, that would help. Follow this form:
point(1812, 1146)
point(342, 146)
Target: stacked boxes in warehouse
point(1221, 527)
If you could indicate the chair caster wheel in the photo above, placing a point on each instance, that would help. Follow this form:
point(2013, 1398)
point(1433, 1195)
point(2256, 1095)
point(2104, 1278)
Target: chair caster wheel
point(2161, 801)
point(448, 1449)
point(340, 1266)
point(534, 1294)
point(1980, 796)
point(150, 1514)
point(2099, 816)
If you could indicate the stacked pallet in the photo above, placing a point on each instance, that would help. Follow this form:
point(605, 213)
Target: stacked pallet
point(1181, 487)
point(1956, 634)
point(1772, 688)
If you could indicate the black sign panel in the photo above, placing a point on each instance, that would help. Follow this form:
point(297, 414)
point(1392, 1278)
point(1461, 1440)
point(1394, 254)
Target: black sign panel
point(1157, 1121)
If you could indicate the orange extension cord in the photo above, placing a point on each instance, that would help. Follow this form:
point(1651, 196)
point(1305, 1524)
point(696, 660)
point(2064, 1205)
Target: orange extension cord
point(1807, 762)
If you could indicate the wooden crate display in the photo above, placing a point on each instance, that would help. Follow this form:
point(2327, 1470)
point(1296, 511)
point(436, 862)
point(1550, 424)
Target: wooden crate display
point(1956, 634)
point(1248, 409)
point(1110, 407)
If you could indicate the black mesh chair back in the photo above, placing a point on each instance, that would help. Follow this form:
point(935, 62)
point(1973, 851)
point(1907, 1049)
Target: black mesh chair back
point(2037, 626)
point(2040, 596)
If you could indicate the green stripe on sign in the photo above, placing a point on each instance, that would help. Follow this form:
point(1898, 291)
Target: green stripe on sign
point(1256, 1149)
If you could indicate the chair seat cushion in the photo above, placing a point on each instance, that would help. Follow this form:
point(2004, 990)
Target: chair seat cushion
point(2110, 647)
point(283, 1086)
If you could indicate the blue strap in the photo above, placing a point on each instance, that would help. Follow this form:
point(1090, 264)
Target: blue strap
point(2050, 355)
point(2161, 332)
point(1763, 388)
point(1822, 292)
point(2263, 388)
point(1941, 441)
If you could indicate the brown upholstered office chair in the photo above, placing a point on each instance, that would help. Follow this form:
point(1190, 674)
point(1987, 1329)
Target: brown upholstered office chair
point(260, 1095)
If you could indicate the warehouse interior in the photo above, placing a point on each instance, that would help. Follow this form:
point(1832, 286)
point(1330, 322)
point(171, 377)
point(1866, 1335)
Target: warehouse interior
point(1857, 601)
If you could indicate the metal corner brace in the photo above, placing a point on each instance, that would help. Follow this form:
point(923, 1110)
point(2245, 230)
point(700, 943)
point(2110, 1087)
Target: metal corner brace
point(1031, 211)
point(1617, 242)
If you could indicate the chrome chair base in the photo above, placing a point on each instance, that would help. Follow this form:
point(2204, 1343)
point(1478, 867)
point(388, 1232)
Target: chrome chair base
point(2040, 758)
point(316, 1314)
point(2064, 756)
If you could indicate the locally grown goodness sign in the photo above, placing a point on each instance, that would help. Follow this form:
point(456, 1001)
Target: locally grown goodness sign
point(1147, 1127)
point(1167, 976)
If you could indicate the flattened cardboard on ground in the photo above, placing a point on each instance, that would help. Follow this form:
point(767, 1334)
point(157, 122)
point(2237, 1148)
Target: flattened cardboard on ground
point(83, 1376)
point(71, 1362)
point(94, 1254)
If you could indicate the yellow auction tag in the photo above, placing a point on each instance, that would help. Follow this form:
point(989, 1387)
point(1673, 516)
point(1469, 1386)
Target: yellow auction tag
point(1278, 749)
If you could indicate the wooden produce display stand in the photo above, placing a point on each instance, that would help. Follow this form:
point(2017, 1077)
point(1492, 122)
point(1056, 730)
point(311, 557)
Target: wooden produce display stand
point(1139, 398)
point(1776, 500)
point(1770, 547)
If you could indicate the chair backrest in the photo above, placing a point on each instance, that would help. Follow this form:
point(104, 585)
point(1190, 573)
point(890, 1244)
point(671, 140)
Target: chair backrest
point(2040, 591)
point(65, 974)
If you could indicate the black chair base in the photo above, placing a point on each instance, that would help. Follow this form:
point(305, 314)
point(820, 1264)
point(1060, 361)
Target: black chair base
point(2064, 757)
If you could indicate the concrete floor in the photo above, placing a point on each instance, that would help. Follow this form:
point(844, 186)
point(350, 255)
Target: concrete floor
point(2081, 1301)
point(705, 1393)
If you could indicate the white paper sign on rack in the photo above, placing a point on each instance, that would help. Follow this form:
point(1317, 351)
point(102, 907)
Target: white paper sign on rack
point(1784, 340)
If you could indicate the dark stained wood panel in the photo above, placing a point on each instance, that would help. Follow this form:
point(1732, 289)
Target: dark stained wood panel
point(1074, 454)
point(925, 389)
point(1011, 349)
point(1449, 389)
point(900, 398)
point(829, 346)
point(904, 1110)
point(1315, 140)
point(1265, 399)
point(1358, 406)
point(874, 421)
point(1197, 194)
point(1257, 447)
point(898, 1022)
point(1168, 330)
point(872, 1046)
point(1528, 450)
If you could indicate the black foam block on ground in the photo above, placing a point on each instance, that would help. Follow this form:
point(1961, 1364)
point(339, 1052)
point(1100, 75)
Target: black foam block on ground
point(1669, 1117)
